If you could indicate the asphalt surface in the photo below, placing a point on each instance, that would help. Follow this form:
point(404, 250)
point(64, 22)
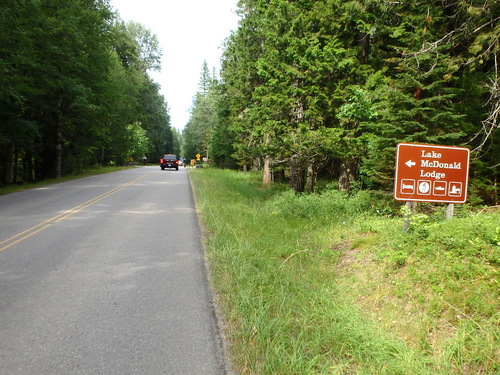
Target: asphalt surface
point(106, 275)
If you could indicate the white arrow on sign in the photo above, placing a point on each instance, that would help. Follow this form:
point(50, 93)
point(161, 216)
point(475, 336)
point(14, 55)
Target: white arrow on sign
point(410, 163)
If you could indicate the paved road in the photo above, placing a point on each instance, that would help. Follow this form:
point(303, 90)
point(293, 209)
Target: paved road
point(105, 275)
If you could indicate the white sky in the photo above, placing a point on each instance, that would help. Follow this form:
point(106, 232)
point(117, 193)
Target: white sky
point(189, 32)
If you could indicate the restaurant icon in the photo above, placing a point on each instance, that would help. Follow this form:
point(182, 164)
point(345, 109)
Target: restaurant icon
point(424, 187)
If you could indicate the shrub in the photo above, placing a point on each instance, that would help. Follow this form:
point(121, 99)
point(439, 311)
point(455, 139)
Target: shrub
point(330, 205)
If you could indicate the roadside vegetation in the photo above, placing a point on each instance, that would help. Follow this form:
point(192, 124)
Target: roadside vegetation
point(329, 283)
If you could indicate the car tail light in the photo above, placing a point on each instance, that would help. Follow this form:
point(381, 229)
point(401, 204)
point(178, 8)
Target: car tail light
point(162, 161)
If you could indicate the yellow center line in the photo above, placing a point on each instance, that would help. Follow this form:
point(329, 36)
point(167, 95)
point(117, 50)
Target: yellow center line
point(64, 215)
point(23, 238)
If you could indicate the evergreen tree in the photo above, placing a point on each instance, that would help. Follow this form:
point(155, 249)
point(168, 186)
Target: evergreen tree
point(63, 57)
point(222, 139)
point(331, 81)
point(205, 79)
point(74, 86)
point(240, 76)
point(198, 130)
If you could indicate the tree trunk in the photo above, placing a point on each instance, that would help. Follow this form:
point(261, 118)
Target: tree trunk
point(297, 174)
point(59, 140)
point(59, 153)
point(9, 163)
point(28, 175)
point(267, 178)
point(364, 43)
point(101, 160)
point(15, 173)
point(348, 173)
point(495, 185)
point(311, 178)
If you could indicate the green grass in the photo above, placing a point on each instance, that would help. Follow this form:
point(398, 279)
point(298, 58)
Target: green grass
point(91, 172)
point(329, 284)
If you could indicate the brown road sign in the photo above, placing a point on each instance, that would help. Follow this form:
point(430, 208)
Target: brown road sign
point(430, 173)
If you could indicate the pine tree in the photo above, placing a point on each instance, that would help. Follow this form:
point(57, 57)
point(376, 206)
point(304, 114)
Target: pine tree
point(314, 84)
point(198, 131)
point(205, 79)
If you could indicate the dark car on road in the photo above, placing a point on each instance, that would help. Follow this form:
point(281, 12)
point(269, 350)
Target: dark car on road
point(169, 161)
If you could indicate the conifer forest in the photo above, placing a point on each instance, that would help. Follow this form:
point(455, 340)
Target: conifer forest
point(307, 90)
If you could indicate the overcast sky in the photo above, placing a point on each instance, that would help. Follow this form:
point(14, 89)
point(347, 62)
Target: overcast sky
point(189, 32)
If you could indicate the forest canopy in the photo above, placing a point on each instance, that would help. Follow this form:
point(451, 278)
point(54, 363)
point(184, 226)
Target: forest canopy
point(328, 88)
point(307, 90)
point(75, 90)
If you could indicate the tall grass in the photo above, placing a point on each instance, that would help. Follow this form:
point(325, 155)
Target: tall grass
point(328, 283)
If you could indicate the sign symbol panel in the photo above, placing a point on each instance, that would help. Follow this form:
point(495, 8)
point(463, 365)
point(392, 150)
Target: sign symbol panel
point(440, 188)
point(424, 187)
point(455, 189)
point(407, 186)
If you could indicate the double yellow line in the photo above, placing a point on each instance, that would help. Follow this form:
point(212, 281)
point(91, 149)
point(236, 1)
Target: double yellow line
point(64, 215)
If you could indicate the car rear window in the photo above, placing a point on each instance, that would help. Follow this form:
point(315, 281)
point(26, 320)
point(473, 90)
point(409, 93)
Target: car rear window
point(170, 157)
